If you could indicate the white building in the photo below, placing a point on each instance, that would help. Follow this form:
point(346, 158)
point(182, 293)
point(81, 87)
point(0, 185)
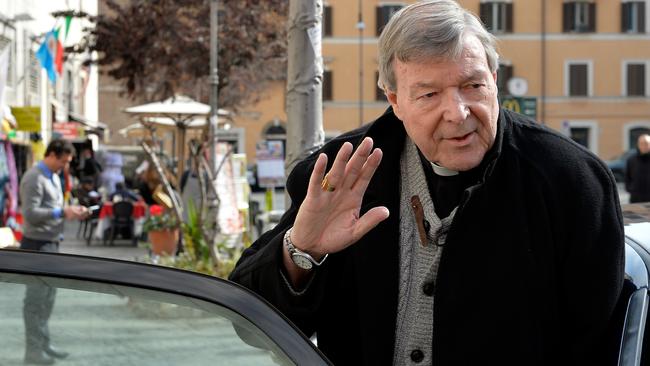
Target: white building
point(23, 25)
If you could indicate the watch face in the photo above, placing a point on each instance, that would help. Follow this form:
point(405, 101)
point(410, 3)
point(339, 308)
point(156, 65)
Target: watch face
point(301, 261)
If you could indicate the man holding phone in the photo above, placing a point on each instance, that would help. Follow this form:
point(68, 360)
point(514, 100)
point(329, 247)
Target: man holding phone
point(44, 212)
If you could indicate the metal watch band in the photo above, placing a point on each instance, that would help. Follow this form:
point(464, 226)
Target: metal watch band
point(293, 252)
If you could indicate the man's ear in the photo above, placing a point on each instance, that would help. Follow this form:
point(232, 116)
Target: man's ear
point(392, 99)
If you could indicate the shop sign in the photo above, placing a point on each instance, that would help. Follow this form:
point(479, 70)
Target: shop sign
point(67, 130)
point(524, 105)
point(270, 163)
point(27, 118)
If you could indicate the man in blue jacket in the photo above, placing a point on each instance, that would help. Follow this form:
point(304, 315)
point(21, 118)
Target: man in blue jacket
point(448, 231)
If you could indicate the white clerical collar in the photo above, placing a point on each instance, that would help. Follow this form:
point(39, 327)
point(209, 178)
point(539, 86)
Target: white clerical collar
point(442, 171)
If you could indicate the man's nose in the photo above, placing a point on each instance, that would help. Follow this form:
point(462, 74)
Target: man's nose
point(456, 109)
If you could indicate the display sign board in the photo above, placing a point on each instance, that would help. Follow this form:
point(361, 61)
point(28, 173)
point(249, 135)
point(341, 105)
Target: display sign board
point(270, 163)
point(68, 130)
point(524, 105)
point(27, 118)
point(230, 188)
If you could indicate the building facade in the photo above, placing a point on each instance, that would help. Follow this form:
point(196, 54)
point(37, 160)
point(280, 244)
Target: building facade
point(42, 108)
point(580, 67)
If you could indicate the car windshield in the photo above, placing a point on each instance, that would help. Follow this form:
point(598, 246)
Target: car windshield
point(104, 324)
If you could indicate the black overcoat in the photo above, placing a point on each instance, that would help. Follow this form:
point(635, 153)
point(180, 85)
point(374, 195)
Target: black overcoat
point(529, 275)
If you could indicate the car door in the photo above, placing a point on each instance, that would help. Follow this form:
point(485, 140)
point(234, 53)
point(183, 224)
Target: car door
point(110, 312)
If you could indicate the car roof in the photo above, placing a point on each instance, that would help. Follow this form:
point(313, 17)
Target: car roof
point(636, 217)
point(190, 285)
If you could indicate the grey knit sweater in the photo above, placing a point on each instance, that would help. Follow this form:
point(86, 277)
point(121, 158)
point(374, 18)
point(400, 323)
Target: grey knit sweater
point(422, 236)
point(39, 196)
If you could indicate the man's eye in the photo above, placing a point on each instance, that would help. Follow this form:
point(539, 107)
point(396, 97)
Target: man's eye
point(429, 95)
point(476, 86)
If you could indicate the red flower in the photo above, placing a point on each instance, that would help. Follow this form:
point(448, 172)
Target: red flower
point(156, 210)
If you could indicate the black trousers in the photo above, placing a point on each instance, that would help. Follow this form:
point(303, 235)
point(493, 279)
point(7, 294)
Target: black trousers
point(38, 302)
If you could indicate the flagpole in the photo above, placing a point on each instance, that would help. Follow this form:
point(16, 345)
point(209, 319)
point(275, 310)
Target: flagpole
point(44, 106)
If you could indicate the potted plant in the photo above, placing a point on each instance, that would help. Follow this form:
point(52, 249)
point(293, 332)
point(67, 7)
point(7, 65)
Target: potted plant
point(162, 228)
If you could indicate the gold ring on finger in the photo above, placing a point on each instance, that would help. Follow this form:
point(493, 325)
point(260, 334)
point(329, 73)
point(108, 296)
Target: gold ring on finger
point(326, 186)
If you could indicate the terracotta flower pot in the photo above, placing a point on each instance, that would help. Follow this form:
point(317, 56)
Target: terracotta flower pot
point(163, 242)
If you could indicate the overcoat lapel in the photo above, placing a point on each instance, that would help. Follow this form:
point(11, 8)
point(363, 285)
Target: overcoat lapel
point(376, 267)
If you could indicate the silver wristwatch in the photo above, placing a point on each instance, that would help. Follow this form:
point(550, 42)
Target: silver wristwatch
point(300, 258)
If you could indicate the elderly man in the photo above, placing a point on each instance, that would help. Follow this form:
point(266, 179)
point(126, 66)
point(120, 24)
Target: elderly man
point(481, 238)
point(637, 172)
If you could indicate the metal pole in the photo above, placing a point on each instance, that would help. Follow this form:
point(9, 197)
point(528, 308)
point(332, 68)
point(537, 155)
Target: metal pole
point(304, 103)
point(360, 27)
point(543, 65)
point(304, 81)
point(214, 81)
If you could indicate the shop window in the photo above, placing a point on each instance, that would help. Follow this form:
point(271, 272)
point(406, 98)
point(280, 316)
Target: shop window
point(579, 16)
point(497, 16)
point(633, 17)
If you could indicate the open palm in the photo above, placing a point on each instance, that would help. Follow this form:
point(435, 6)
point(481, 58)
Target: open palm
point(328, 220)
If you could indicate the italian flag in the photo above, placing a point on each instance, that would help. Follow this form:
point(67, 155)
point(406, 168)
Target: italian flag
point(58, 57)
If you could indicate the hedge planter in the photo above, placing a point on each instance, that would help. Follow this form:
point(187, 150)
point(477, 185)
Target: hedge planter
point(164, 242)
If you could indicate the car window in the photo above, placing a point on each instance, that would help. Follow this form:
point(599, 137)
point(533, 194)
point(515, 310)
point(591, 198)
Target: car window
point(105, 324)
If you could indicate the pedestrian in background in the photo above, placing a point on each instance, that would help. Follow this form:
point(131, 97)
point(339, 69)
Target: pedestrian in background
point(482, 238)
point(89, 166)
point(123, 193)
point(637, 172)
point(44, 212)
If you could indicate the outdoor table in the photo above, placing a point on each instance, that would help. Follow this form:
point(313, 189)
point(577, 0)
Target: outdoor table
point(106, 214)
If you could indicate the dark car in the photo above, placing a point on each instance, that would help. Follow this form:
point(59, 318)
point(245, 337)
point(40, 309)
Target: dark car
point(111, 312)
point(618, 165)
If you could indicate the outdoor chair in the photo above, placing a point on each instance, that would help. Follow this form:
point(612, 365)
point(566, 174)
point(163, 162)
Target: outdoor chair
point(121, 222)
point(89, 226)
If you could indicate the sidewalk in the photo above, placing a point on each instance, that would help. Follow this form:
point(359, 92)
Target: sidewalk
point(122, 249)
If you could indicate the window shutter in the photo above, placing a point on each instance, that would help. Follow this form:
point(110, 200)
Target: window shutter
point(327, 85)
point(327, 21)
point(509, 17)
point(625, 17)
point(379, 19)
point(641, 17)
point(486, 15)
point(568, 17)
point(592, 17)
point(636, 80)
point(578, 80)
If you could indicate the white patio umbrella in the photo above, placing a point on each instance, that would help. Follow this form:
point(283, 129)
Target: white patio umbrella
point(182, 110)
point(151, 124)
